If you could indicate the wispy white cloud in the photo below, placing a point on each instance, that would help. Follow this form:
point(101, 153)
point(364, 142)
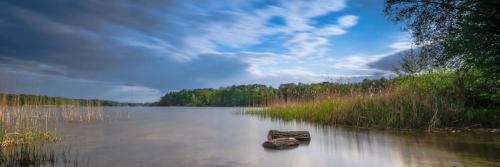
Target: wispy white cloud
point(313, 8)
point(339, 28)
point(358, 62)
point(403, 42)
point(303, 40)
point(402, 45)
point(304, 44)
point(347, 21)
point(330, 30)
point(247, 27)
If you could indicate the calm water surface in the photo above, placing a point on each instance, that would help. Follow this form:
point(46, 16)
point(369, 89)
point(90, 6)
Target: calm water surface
point(206, 136)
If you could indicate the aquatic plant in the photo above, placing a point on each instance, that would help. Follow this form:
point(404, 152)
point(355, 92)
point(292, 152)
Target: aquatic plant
point(426, 101)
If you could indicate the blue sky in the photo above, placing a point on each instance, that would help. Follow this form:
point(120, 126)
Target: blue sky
point(137, 51)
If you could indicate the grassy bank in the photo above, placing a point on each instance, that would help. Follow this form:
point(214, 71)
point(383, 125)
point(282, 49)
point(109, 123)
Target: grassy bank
point(439, 99)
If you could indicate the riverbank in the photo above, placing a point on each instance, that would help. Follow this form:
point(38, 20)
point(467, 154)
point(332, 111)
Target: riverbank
point(436, 101)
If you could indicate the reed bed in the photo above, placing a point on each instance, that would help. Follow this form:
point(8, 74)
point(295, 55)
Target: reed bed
point(425, 102)
point(26, 125)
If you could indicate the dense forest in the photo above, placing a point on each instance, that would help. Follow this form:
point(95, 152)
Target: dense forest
point(27, 99)
point(262, 95)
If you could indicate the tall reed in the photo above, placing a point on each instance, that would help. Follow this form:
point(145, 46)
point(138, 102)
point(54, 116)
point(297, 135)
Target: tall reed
point(26, 123)
point(427, 101)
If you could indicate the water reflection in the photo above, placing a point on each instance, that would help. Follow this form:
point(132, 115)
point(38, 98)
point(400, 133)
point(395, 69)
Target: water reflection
point(190, 136)
point(403, 148)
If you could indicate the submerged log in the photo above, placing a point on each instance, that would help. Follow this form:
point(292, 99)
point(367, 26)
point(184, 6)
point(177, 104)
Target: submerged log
point(299, 135)
point(281, 143)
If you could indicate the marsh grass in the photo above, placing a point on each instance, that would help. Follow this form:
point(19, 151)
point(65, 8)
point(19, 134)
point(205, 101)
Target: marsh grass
point(428, 101)
point(26, 126)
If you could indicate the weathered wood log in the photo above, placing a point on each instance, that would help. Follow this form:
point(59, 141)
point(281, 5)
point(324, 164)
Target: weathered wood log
point(281, 143)
point(299, 135)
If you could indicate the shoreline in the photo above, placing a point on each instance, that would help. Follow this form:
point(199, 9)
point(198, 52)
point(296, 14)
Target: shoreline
point(448, 130)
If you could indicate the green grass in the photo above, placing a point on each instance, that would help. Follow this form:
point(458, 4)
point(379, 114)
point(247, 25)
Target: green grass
point(426, 101)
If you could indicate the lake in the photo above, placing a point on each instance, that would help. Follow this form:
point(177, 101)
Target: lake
point(212, 136)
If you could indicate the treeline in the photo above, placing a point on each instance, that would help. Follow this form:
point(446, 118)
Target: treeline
point(27, 99)
point(262, 95)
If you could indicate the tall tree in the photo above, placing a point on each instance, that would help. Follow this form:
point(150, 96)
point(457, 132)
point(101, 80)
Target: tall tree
point(460, 34)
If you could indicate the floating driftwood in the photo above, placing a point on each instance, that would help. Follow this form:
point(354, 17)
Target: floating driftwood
point(286, 139)
point(299, 135)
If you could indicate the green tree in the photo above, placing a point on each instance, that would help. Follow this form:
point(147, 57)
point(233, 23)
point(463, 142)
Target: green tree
point(461, 34)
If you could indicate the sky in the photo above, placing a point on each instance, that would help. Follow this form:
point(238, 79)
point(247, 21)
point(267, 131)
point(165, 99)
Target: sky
point(136, 51)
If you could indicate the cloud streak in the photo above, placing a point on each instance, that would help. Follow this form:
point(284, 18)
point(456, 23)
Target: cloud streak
point(120, 48)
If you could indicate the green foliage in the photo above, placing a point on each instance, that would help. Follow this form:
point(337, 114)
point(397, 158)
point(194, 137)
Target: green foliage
point(476, 41)
point(242, 95)
point(437, 83)
point(461, 34)
point(479, 88)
